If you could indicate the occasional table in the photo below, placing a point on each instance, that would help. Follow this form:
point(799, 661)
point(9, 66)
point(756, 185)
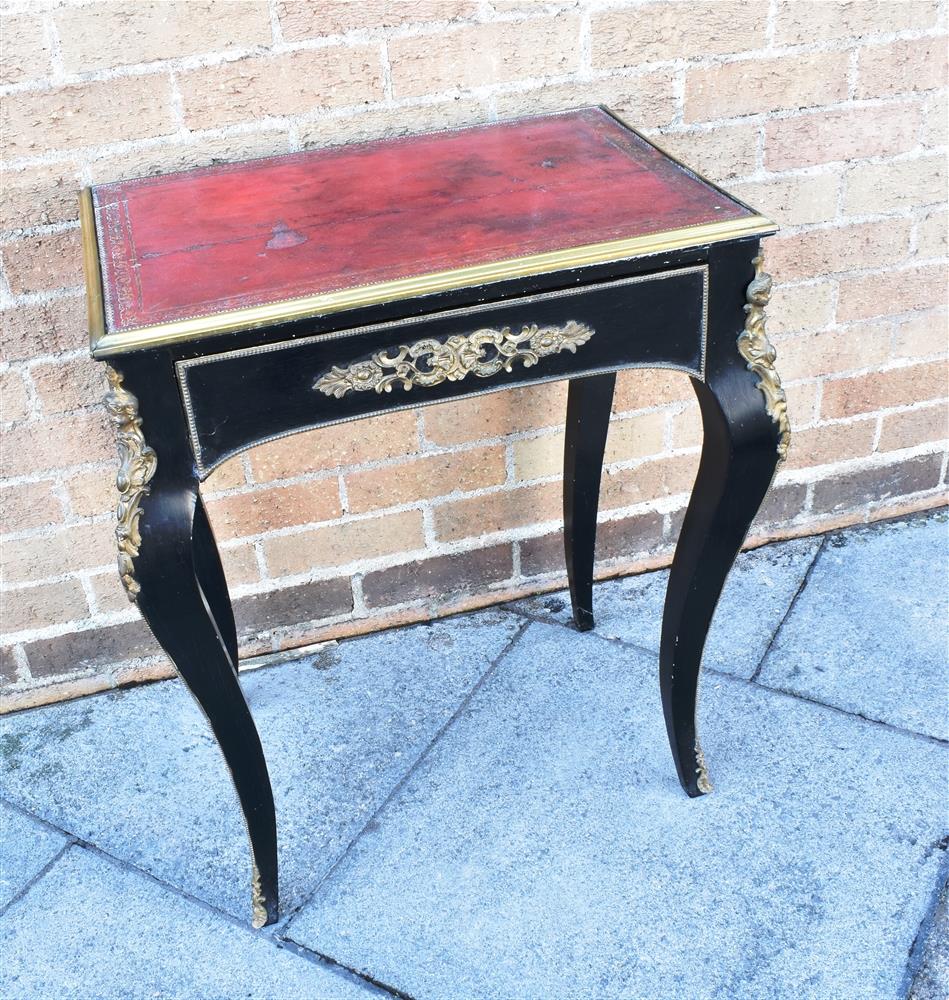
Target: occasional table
point(241, 303)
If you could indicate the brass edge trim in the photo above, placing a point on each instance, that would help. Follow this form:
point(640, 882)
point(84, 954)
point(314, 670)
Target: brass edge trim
point(183, 365)
point(95, 308)
point(326, 303)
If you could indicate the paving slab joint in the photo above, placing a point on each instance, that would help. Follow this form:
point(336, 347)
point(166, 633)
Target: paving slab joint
point(800, 590)
point(849, 712)
point(284, 923)
point(309, 955)
point(41, 874)
point(569, 625)
point(726, 676)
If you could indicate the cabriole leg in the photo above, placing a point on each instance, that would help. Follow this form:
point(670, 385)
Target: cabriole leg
point(170, 568)
point(210, 574)
point(589, 401)
point(744, 417)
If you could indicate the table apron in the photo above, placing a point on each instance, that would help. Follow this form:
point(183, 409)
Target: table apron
point(240, 398)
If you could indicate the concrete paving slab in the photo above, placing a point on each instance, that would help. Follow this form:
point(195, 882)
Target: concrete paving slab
point(544, 849)
point(26, 847)
point(931, 981)
point(869, 632)
point(757, 594)
point(89, 929)
point(137, 772)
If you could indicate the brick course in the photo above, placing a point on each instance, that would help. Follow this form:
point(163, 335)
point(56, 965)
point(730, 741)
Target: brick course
point(661, 32)
point(891, 292)
point(843, 135)
point(286, 84)
point(442, 576)
point(468, 56)
point(425, 478)
point(909, 428)
point(120, 109)
point(343, 544)
point(757, 85)
point(143, 31)
point(260, 511)
point(300, 19)
point(901, 67)
point(891, 185)
point(45, 328)
point(42, 263)
point(801, 22)
point(828, 115)
point(27, 53)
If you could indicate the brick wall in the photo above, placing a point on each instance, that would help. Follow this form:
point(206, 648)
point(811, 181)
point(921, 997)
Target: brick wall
point(828, 116)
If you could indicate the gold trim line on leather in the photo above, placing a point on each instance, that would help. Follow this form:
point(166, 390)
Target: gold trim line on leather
point(109, 344)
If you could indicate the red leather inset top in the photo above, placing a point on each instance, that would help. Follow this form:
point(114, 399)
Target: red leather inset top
point(221, 238)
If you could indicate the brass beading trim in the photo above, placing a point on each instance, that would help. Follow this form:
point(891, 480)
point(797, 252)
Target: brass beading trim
point(183, 365)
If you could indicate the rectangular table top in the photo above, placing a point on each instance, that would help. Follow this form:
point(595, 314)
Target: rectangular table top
point(246, 244)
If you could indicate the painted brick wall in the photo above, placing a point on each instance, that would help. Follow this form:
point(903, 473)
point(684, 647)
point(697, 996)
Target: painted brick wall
point(829, 116)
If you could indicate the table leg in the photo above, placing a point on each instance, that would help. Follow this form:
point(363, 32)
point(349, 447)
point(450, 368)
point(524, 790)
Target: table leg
point(170, 568)
point(744, 417)
point(210, 574)
point(589, 402)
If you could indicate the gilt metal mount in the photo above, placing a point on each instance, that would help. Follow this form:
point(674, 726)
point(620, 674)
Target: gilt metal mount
point(756, 349)
point(137, 464)
point(431, 362)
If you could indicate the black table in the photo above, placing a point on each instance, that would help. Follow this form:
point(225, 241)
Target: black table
point(242, 303)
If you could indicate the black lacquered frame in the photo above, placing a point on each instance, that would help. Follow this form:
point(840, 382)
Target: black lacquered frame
point(183, 408)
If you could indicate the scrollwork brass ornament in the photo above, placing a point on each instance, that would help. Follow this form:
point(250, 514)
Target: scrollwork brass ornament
point(431, 362)
point(137, 463)
point(702, 781)
point(756, 349)
point(259, 918)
